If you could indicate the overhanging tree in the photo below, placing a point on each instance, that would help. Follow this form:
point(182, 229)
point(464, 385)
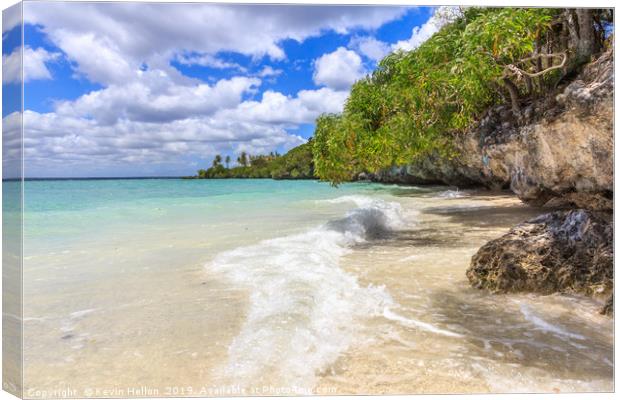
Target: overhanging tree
point(415, 102)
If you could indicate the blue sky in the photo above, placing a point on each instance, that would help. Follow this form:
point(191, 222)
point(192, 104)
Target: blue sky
point(122, 89)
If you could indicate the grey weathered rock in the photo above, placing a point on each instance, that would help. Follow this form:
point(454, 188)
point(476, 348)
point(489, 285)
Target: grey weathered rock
point(563, 251)
point(563, 151)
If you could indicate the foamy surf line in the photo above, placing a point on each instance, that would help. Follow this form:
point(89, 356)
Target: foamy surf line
point(397, 217)
point(304, 309)
point(453, 194)
point(545, 326)
point(412, 323)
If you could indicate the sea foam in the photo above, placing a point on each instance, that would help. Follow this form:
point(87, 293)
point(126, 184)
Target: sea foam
point(545, 326)
point(452, 194)
point(413, 323)
point(304, 309)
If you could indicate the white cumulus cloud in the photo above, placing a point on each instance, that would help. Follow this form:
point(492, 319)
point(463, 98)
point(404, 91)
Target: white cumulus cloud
point(34, 64)
point(125, 35)
point(155, 97)
point(338, 70)
point(268, 71)
point(370, 47)
point(420, 34)
point(54, 141)
point(135, 125)
point(277, 108)
point(12, 67)
point(206, 60)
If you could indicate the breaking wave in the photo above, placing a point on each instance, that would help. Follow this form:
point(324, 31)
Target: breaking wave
point(304, 309)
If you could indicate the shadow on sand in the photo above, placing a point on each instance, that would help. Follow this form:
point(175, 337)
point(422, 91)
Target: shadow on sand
point(497, 331)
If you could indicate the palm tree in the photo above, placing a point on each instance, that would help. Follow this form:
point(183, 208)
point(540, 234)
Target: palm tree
point(227, 161)
point(243, 159)
point(217, 160)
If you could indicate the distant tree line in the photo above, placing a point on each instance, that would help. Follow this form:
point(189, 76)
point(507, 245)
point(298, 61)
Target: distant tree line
point(296, 164)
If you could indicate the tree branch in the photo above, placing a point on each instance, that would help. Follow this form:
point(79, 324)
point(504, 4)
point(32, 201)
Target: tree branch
point(513, 69)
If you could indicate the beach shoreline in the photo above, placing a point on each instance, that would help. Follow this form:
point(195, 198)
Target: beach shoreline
point(392, 299)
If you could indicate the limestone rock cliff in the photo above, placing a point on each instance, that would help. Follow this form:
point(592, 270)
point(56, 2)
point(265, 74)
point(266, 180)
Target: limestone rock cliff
point(558, 152)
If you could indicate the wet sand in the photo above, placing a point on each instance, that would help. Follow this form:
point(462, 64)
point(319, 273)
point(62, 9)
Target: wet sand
point(482, 343)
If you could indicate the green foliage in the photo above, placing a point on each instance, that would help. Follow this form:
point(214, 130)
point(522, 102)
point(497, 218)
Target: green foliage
point(296, 164)
point(415, 102)
point(333, 147)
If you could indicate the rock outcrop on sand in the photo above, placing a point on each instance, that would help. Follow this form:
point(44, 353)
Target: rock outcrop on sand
point(558, 151)
point(563, 251)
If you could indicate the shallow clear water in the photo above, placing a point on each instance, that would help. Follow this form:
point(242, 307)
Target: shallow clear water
point(207, 287)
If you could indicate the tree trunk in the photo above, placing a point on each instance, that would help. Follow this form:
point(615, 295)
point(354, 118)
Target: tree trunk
point(538, 50)
point(549, 49)
point(573, 28)
point(539, 66)
point(514, 96)
point(586, 44)
point(564, 36)
point(529, 85)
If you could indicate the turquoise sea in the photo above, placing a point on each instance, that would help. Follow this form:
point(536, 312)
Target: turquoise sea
point(73, 209)
point(206, 287)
